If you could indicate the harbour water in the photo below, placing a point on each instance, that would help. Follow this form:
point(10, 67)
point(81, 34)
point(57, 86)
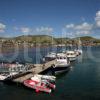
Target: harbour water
point(81, 82)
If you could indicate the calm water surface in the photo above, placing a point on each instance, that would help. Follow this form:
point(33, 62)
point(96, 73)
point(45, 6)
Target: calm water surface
point(82, 82)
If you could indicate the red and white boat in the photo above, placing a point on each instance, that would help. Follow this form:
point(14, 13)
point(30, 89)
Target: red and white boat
point(38, 86)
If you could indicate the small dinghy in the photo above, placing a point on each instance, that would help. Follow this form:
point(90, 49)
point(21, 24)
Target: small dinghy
point(45, 80)
point(50, 85)
point(46, 77)
point(38, 86)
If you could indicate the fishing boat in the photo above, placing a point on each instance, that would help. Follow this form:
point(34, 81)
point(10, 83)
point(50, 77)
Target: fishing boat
point(61, 65)
point(71, 55)
point(38, 86)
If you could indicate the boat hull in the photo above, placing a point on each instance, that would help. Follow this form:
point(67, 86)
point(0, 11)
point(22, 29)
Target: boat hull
point(72, 59)
point(33, 84)
point(49, 58)
point(60, 69)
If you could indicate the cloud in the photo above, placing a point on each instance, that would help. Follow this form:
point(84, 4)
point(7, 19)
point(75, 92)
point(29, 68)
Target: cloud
point(70, 26)
point(97, 19)
point(83, 32)
point(84, 26)
point(79, 29)
point(25, 30)
point(44, 29)
point(2, 27)
point(34, 31)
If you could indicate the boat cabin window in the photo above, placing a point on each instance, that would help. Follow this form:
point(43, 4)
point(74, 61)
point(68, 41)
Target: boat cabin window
point(57, 57)
point(64, 57)
point(61, 57)
point(70, 54)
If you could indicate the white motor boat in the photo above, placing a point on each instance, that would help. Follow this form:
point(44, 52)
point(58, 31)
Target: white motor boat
point(71, 55)
point(50, 56)
point(62, 64)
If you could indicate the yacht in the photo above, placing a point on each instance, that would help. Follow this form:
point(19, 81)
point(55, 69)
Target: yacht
point(62, 64)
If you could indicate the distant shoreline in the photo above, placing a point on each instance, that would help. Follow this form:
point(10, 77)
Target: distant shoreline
point(45, 40)
point(11, 49)
point(33, 41)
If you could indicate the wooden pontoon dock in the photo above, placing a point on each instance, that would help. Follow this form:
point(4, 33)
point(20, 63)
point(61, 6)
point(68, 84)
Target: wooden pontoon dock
point(39, 68)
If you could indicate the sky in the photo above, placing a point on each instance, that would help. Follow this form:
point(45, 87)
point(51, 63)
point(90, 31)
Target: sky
point(60, 18)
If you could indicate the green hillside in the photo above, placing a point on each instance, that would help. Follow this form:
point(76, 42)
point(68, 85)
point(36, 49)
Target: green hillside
point(87, 38)
point(35, 38)
point(46, 39)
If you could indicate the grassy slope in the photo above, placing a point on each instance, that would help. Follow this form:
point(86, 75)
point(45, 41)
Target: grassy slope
point(48, 39)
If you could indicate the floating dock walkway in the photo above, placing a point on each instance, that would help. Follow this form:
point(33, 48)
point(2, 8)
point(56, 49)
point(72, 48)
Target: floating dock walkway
point(39, 68)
